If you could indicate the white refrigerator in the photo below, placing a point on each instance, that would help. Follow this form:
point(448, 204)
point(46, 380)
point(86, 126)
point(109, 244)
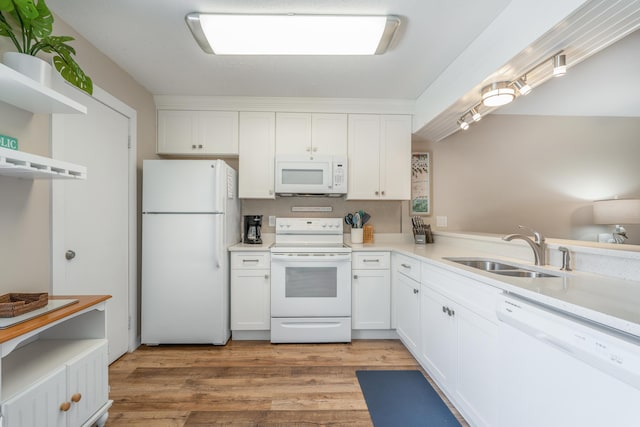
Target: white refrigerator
point(190, 216)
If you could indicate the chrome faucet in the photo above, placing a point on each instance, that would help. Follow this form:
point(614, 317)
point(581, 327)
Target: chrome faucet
point(538, 245)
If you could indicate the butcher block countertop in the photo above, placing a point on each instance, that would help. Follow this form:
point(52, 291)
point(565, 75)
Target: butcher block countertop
point(84, 302)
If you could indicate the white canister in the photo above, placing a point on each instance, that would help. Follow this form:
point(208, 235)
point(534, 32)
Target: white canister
point(31, 66)
point(356, 235)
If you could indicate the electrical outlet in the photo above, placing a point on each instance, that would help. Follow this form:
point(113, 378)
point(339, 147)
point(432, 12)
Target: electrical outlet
point(441, 221)
point(272, 220)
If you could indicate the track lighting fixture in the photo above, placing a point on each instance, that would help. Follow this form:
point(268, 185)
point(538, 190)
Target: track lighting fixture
point(497, 94)
point(522, 86)
point(501, 93)
point(559, 65)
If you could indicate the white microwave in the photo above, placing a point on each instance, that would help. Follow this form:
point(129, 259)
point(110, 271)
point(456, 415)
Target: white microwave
point(319, 175)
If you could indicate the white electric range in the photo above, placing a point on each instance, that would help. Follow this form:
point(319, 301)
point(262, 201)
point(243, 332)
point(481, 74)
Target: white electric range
point(310, 282)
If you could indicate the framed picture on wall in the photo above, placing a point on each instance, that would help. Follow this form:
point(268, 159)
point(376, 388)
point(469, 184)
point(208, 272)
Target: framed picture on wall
point(421, 183)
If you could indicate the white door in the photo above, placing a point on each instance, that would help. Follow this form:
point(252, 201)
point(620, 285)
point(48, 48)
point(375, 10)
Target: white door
point(90, 219)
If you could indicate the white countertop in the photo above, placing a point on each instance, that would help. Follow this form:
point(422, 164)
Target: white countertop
point(610, 301)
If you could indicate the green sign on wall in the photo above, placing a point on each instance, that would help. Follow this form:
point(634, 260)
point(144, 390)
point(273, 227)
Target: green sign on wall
point(8, 142)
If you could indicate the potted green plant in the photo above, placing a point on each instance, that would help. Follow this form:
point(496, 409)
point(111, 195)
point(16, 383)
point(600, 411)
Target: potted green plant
point(29, 25)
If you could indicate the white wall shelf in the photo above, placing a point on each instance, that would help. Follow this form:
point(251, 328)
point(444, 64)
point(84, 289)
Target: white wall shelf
point(25, 165)
point(22, 92)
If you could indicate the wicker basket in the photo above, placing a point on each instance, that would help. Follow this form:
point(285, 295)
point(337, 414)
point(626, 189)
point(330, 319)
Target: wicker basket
point(367, 234)
point(15, 304)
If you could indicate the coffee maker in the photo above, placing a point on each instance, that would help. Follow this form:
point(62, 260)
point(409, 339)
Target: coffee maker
point(252, 225)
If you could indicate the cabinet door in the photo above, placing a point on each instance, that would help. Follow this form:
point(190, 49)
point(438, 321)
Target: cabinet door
point(476, 387)
point(293, 133)
point(40, 404)
point(364, 157)
point(395, 157)
point(438, 326)
point(177, 132)
point(218, 133)
point(88, 386)
point(250, 300)
point(256, 176)
point(371, 300)
point(407, 306)
point(329, 134)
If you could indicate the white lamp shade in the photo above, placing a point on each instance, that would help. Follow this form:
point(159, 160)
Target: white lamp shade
point(617, 211)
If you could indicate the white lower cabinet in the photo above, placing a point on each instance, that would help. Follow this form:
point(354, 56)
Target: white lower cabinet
point(69, 395)
point(438, 335)
point(407, 302)
point(57, 375)
point(40, 404)
point(250, 291)
point(371, 291)
point(459, 341)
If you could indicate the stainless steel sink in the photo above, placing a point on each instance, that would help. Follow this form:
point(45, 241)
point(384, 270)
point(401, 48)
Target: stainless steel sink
point(501, 268)
point(483, 264)
point(524, 273)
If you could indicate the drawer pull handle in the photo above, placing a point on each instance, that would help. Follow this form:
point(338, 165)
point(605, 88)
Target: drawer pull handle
point(406, 265)
point(65, 406)
point(370, 260)
point(250, 260)
point(266, 276)
point(76, 397)
point(355, 276)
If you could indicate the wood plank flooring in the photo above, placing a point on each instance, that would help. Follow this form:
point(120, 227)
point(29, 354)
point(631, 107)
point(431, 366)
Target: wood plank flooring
point(249, 383)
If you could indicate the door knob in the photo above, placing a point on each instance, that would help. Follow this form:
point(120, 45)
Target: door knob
point(69, 255)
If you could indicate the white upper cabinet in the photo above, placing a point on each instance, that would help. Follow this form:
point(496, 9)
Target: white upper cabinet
point(256, 176)
point(311, 134)
point(379, 150)
point(197, 133)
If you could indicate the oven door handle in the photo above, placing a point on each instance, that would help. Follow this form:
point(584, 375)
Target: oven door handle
point(310, 257)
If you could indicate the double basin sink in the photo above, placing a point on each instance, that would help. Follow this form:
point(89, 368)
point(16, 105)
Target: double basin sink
point(501, 268)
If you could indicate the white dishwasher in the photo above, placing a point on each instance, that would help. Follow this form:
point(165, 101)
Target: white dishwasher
point(558, 370)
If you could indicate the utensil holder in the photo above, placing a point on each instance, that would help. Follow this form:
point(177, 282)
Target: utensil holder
point(367, 234)
point(357, 235)
point(420, 239)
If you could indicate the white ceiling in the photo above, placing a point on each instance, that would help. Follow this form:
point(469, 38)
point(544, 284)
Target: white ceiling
point(150, 40)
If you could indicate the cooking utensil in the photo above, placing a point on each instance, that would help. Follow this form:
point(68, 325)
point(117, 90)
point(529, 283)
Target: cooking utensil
point(357, 221)
point(348, 218)
point(365, 217)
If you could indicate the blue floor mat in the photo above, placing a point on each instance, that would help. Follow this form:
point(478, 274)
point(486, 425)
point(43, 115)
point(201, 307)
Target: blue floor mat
point(403, 398)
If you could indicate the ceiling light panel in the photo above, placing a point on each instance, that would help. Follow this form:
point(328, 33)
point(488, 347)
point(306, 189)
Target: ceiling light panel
point(225, 34)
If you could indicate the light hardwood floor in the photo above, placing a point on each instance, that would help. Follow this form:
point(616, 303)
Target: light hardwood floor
point(251, 383)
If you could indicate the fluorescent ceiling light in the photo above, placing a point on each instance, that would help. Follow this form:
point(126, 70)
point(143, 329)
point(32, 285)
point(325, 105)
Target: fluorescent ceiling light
point(225, 34)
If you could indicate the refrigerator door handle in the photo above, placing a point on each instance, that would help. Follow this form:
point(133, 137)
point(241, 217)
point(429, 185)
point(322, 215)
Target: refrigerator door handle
point(216, 260)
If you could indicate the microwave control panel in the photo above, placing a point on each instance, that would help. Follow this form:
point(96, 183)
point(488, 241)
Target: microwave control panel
point(340, 175)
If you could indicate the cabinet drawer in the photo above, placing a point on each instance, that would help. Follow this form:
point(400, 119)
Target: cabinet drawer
point(370, 260)
point(251, 260)
point(407, 266)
